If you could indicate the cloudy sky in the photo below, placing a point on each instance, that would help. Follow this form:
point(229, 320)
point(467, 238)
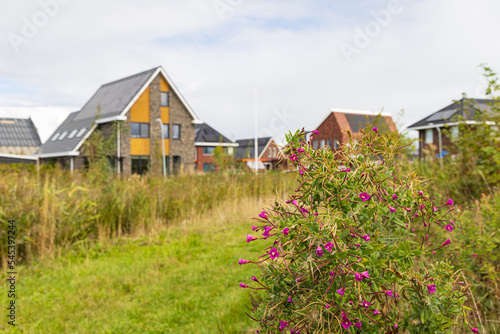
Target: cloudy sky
point(304, 56)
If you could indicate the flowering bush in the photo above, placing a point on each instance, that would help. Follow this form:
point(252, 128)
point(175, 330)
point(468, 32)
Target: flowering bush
point(353, 248)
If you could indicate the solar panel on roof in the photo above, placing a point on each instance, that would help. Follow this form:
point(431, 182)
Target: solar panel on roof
point(442, 115)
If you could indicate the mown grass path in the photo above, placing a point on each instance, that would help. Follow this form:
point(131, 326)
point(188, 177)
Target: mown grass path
point(184, 280)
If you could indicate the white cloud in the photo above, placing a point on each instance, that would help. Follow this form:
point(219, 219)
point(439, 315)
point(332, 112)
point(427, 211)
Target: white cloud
point(425, 57)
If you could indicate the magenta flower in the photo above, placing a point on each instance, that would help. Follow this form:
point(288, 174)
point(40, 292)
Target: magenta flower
point(327, 305)
point(294, 202)
point(365, 304)
point(263, 215)
point(285, 231)
point(250, 238)
point(243, 285)
point(290, 299)
point(375, 312)
point(243, 261)
point(341, 291)
point(420, 192)
point(301, 171)
point(316, 132)
point(435, 209)
point(267, 229)
point(389, 293)
point(254, 228)
point(446, 242)
point(364, 197)
point(449, 227)
point(319, 251)
point(305, 210)
point(358, 324)
point(396, 325)
point(283, 324)
point(394, 196)
point(361, 276)
point(254, 279)
point(329, 246)
point(346, 323)
point(422, 206)
point(315, 214)
point(274, 253)
point(474, 330)
point(375, 129)
point(347, 170)
point(300, 150)
point(365, 274)
point(408, 209)
point(392, 209)
point(474, 255)
point(431, 288)
point(450, 202)
point(366, 237)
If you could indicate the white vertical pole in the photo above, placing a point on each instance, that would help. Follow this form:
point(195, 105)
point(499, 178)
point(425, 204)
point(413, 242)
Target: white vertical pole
point(163, 148)
point(118, 148)
point(256, 141)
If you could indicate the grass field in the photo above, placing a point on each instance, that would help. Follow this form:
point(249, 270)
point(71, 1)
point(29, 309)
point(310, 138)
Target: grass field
point(184, 279)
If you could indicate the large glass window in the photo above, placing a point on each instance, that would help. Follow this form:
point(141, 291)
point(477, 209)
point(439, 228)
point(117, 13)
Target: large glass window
point(315, 144)
point(454, 132)
point(164, 99)
point(165, 131)
point(140, 165)
point(176, 131)
point(428, 136)
point(139, 130)
point(208, 150)
point(208, 168)
point(176, 164)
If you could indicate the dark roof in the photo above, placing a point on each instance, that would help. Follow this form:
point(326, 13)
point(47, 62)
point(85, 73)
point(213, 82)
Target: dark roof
point(111, 99)
point(358, 122)
point(467, 108)
point(18, 132)
point(204, 133)
point(246, 147)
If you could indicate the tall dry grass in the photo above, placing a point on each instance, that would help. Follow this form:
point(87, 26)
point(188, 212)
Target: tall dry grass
point(56, 210)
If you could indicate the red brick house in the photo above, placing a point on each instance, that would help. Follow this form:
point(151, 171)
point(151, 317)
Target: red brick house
point(269, 154)
point(431, 129)
point(205, 142)
point(330, 129)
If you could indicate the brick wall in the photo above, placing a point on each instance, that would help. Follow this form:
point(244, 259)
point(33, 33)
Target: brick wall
point(183, 147)
point(331, 129)
point(202, 159)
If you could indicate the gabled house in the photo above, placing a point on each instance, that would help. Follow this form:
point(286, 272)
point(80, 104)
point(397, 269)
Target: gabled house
point(430, 128)
point(19, 140)
point(132, 112)
point(330, 129)
point(269, 154)
point(205, 142)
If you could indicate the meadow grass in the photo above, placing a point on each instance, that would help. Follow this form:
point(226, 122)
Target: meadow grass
point(184, 279)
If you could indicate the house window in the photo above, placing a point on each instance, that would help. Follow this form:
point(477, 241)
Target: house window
point(139, 130)
point(454, 132)
point(176, 131)
point(336, 144)
point(164, 99)
point(428, 136)
point(165, 131)
point(140, 165)
point(208, 168)
point(329, 143)
point(315, 144)
point(55, 137)
point(63, 135)
point(176, 164)
point(82, 131)
point(72, 134)
point(322, 143)
point(208, 150)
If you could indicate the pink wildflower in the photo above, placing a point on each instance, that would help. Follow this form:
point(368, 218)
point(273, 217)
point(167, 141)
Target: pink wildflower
point(263, 215)
point(435, 209)
point(290, 300)
point(366, 237)
point(254, 279)
point(285, 231)
point(347, 170)
point(327, 306)
point(449, 227)
point(474, 255)
point(305, 210)
point(474, 330)
point(389, 293)
point(394, 196)
point(293, 157)
point(358, 324)
point(319, 251)
point(250, 238)
point(316, 132)
point(364, 197)
point(431, 288)
point(392, 209)
point(375, 312)
point(301, 171)
point(365, 304)
point(283, 324)
point(243, 261)
point(447, 242)
point(341, 291)
point(450, 202)
point(294, 202)
point(243, 285)
point(420, 192)
point(254, 228)
point(300, 150)
point(329, 246)
point(274, 253)
point(375, 129)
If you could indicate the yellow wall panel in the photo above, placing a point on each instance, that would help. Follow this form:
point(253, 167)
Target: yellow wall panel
point(163, 85)
point(140, 146)
point(167, 146)
point(165, 111)
point(139, 112)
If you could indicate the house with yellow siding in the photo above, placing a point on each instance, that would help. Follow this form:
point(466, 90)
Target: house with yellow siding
point(143, 117)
